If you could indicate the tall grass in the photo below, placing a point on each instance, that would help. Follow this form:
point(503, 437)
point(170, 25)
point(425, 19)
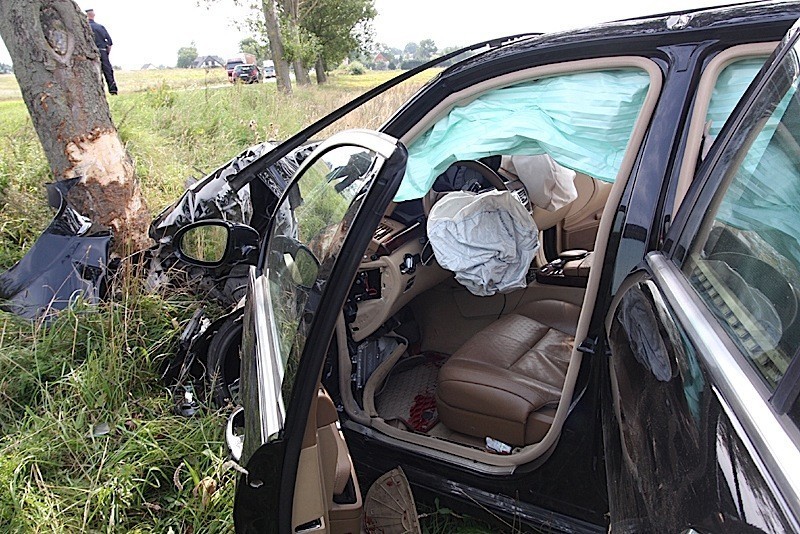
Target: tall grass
point(88, 438)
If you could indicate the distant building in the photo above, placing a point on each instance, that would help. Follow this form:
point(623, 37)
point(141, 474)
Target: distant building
point(380, 62)
point(148, 66)
point(207, 62)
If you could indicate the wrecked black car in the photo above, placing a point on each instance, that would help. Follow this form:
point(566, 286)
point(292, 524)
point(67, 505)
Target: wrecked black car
point(619, 354)
point(558, 288)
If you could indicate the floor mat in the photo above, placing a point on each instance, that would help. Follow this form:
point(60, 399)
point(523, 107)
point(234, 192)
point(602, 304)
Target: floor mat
point(409, 393)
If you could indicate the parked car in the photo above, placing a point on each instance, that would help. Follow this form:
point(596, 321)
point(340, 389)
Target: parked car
point(269, 69)
point(247, 74)
point(645, 375)
point(238, 60)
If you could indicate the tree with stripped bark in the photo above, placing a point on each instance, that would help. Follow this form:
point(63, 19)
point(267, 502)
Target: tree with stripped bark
point(57, 66)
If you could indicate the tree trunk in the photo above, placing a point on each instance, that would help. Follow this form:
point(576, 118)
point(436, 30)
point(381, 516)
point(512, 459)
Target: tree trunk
point(319, 66)
point(301, 73)
point(57, 66)
point(290, 10)
point(282, 78)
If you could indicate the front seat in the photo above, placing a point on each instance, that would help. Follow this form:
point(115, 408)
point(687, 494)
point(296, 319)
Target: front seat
point(506, 381)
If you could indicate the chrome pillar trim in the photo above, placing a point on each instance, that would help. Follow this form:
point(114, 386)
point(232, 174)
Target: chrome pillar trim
point(759, 426)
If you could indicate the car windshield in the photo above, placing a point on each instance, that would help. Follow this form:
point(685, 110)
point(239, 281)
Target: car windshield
point(309, 229)
point(242, 68)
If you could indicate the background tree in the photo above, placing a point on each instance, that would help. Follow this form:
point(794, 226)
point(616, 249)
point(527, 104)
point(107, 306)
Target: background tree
point(341, 26)
point(186, 56)
point(273, 31)
point(410, 50)
point(427, 48)
point(251, 45)
point(57, 66)
point(300, 46)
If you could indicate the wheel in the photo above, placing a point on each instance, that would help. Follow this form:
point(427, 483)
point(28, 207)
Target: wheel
point(222, 374)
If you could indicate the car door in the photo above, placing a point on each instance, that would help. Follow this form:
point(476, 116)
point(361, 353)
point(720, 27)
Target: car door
point(702, 432)
point(291, 446)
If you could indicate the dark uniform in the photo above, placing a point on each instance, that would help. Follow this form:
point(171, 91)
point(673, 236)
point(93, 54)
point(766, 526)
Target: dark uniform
point(103, 41)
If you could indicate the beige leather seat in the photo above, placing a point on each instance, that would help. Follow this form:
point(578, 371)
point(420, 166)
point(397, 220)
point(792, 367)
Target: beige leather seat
point(505, 382)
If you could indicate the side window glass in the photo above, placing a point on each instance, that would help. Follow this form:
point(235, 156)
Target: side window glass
point(310, 228)
point(731, 84)
point(745, 262)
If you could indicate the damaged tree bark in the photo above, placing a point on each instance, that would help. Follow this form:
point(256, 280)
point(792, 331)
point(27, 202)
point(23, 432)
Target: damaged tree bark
point(57, 66)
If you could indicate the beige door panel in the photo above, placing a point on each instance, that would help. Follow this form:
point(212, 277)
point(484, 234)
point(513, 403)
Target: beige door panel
point(579, 227)
point(310, 506)
point(325, 469)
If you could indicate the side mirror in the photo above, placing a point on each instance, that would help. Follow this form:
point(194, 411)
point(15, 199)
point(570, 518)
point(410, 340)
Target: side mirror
point(214, 242)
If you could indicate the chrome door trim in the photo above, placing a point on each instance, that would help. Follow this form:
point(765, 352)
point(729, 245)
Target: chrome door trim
point(269, 371)
point(774, 452)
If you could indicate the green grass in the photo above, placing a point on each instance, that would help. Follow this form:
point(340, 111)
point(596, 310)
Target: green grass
point(88, 439)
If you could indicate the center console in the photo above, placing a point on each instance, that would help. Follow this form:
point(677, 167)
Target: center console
point(570, 269)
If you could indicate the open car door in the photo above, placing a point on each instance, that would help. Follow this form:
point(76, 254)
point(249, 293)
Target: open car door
point(705, 337)
point(299, 477)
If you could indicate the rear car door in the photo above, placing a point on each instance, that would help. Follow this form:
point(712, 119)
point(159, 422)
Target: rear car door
point(299, 477)
point(702, 431)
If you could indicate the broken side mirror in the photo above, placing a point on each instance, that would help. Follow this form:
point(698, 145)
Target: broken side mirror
point(214, 242)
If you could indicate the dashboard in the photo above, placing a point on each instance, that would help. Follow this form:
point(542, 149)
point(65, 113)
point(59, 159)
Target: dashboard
point(397, 266)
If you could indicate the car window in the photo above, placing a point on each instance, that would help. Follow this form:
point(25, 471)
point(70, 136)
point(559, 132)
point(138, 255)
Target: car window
point(310, 227)
point(583, 120)
point(745, 262)
point(729, 87)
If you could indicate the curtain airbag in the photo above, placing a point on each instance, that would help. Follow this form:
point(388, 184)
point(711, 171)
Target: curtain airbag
point(582, 120)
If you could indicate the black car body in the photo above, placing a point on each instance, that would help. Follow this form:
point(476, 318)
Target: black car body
point(677, 405)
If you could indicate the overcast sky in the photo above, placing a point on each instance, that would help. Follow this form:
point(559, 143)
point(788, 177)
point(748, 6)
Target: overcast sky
point(151, 31)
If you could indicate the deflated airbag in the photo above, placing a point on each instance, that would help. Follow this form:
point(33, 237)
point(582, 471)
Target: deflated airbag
point(488, 240)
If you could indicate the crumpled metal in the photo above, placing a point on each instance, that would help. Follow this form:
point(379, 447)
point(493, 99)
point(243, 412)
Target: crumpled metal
point(66, 263)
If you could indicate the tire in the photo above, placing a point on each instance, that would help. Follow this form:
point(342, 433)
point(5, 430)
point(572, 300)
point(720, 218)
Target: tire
point(222, 374)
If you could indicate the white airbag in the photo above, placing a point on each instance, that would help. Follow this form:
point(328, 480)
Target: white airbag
point(488, 240)
point(550, 186)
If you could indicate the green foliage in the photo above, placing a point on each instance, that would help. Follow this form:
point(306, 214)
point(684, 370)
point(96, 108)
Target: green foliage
point(340, 25)
point(251, 45)
point(299, 43)
point(427, 48)
point(356, 68)
point(186, 55)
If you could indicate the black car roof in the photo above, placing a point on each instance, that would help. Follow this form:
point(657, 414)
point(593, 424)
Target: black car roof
point(726, 22)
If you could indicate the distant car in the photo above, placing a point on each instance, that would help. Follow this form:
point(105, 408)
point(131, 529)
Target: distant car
point(247, 74)
point(230, 65)
point(269, 71)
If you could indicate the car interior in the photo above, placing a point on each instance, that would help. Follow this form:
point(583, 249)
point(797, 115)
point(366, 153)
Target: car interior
point(481, 378)
point(484, 381)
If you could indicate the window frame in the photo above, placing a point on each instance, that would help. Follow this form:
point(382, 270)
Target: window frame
point(728, 150)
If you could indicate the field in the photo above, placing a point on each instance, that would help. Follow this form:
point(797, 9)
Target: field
point(88, 439)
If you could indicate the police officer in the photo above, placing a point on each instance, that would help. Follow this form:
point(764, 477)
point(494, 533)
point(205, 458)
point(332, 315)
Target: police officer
point(103, 42)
